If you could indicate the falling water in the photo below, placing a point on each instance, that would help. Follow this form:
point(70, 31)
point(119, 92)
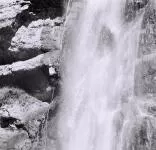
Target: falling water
point(98, 80)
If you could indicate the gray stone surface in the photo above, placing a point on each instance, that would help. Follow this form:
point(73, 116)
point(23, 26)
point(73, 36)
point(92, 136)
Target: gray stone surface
point(21, 118)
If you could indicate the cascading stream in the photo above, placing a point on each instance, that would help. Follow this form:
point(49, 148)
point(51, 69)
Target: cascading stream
point(98, 80)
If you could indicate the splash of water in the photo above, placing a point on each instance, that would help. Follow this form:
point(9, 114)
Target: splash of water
point(98, 79)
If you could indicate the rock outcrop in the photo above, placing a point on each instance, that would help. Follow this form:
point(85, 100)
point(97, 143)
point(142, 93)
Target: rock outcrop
point(31, 75)
point(146, 66)
point(30, 36)
point(133, 7)
point(39, 37)
point(145, 79)
point(8, 13)
point(18, 16)
point(21, 119)
point(31, 33)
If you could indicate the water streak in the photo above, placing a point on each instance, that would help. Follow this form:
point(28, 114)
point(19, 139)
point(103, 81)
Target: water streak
point(98, 82)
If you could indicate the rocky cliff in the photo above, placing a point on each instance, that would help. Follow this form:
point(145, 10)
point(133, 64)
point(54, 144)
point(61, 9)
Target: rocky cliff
point(31, 33)
point(30, 45)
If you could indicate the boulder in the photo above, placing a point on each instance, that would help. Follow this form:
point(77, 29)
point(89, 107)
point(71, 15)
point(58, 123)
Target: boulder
point(29, 70)
point(21, 119)
point(32, 75)
point(39, 37)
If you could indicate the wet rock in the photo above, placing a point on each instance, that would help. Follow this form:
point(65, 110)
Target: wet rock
point(139, 4)
point(145, 75)
point(52, 132)
point(146, 68)
point(133, 7)
point(147, 43)
point(140, 134)
point(105, 38)
point(145, 83)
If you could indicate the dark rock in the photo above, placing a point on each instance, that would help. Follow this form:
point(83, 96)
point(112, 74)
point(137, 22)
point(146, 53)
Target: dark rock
point(105, 39)
point(147, 43)
point(47, 8)
point(132, 7)
point(6, 121)
point(32, 75)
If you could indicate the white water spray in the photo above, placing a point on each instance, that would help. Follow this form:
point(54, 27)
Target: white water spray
point(98, 79)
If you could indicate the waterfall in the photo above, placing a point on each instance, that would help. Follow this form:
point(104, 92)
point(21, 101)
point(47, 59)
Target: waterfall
point(98, 79)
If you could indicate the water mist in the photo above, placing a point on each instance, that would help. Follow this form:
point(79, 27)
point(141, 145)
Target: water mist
point(98, 79)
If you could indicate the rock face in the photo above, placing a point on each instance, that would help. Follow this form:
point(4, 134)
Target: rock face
point(145, 76)
point(39, 37)
point(19, 130)
point(132, 7)
point(30, 36)
point(31, 75)
point(145, 83)
point(9, 11)
point(18, 15)
point(31, 33)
